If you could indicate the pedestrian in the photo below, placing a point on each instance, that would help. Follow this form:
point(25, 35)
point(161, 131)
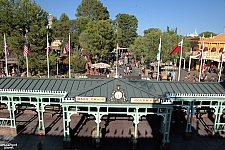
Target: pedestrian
point(139, 73)
point(173, 76)
point(160, 76)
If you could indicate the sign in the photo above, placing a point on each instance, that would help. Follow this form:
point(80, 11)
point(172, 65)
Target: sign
point(90, 99)
point(145, 100)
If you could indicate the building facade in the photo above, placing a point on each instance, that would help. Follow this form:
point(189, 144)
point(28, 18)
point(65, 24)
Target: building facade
point(212, 50)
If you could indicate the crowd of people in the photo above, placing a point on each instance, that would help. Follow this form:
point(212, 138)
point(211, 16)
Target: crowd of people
point(205, 77)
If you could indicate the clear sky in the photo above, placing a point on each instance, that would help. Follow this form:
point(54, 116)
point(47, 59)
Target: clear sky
point(186, 15)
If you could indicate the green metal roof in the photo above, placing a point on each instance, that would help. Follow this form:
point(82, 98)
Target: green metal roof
point(105, 86)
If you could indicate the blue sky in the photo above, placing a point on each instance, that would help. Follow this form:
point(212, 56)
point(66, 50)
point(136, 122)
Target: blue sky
point(186, 15)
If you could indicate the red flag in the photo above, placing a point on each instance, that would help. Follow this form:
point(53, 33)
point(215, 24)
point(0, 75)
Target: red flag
point(222, 55)
point(176, 49)
point(25, 49)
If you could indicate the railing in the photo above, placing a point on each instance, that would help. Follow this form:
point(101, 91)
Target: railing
point(5, 122)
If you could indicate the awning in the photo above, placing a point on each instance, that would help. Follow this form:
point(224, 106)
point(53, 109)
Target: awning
point(101, 65)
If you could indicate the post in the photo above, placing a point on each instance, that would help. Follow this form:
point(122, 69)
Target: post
point(69, 57)
point(202, 47)
point(57, 63)
point(27, 65)
point(116, 60)
point(189, 67)
point(221, 67)
point(180, 60)
point(184, 64)
point(27, 54)
point(158, 58)
point(47, 55)
point(6, 53)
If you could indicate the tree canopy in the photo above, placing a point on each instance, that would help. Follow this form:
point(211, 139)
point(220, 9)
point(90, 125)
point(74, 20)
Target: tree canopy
point(92, 9)
point(92, 31)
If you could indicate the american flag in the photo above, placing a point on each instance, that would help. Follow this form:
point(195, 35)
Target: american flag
point(66, 48)
point(6, 50)
point(25, 48)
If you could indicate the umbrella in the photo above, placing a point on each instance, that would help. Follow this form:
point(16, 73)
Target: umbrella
point(101, 65)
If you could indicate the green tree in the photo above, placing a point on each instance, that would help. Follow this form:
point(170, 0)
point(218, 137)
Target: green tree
point(78, 63)
point(92, 9)
point(126, 29)
point(207, 34)
point(146, 47)
point(20, 18)
point(98, 38)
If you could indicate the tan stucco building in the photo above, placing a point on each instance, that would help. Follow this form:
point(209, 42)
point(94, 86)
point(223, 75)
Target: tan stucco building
point(213, 47)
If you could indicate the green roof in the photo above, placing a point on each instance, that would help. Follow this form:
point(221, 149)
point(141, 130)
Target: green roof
point(105, 86)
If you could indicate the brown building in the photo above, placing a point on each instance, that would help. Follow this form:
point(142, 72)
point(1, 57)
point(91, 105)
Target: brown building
point(212, 50)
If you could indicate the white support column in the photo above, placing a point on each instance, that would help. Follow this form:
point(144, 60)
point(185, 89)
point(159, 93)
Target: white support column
point(184, 64)
point(189, 66)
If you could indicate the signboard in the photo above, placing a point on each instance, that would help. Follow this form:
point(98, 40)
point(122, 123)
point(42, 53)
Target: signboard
point(90, 99)
point(145, 100)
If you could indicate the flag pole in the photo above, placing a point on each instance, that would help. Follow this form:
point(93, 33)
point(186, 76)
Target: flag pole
point(6, 65)
point(26, 55)
point(116, 60)
point(180, 60)
point(199, 78)
point(47, 56)
point(27, 65)
point(69, 57)
point(221, 63)
point(158, 57)
point(221, 66)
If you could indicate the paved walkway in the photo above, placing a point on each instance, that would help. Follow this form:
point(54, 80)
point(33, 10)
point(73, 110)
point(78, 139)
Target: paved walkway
point(115, 134)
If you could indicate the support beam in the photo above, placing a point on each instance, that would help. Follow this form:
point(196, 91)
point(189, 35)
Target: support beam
point(189, 66)
point(66, 128)
point(96, 141)
point(11, 107)
point(190, 112)
point(135, 134)
point(40, 111)
point(166, 131)
point(217, 113)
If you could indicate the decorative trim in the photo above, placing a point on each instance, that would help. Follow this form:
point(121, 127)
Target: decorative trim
point(177, 95)
point(120, 98)
point(15, 91)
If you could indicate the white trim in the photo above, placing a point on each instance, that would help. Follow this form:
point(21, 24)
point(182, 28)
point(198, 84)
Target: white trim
point(176, 95)
point(15, 91)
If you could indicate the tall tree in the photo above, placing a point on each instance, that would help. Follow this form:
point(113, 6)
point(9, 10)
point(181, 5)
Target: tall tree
point(126, 29)
point(20, 18)
point(92, 9)
point(146, 47)
point(98, 38)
